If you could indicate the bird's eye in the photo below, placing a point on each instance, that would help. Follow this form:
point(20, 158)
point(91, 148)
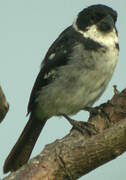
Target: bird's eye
point(95, 18)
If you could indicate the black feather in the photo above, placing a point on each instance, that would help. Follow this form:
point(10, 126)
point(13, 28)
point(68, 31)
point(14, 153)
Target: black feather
point(62, 49)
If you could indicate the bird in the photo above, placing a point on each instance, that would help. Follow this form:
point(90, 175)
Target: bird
point(73, 75)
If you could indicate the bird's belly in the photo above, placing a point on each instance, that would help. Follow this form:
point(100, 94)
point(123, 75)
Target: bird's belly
point(70, 94)
point(77, 85)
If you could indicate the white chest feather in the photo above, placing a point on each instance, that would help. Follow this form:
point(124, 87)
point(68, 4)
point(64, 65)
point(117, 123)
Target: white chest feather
point(106, 39)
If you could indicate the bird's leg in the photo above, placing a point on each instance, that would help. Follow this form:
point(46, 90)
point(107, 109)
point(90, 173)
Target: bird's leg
point(99, 110)
point(92, 110)
point(82, 126)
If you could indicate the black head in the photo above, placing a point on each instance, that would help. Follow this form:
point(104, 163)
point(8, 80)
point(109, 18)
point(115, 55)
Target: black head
point(94, 15)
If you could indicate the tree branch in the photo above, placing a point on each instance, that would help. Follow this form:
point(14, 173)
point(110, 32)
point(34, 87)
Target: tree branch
point(77, 154)
point(4, 106)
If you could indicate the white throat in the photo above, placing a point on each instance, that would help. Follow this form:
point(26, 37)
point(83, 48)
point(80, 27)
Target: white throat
point(106, 39)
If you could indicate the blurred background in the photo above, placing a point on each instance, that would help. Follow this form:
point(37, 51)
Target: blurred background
point(27, 29)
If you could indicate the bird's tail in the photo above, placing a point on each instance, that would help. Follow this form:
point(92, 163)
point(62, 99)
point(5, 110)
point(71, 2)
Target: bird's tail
point(22, 150)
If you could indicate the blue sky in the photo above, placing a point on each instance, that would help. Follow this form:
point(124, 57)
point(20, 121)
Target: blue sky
point(27, 29)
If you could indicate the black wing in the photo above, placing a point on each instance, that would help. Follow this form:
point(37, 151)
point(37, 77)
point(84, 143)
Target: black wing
point(56, 56)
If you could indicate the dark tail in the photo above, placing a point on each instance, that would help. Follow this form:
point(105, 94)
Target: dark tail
point(21, 151)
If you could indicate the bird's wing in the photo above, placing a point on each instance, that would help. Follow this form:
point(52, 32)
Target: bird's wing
point(57, 55)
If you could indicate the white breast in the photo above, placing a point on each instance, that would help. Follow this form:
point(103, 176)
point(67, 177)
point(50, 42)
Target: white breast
point(108, 40)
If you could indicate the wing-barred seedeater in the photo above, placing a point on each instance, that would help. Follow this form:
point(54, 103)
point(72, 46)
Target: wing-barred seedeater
point(73, 75)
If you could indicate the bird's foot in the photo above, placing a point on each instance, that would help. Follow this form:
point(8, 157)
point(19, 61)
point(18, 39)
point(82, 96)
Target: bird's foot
point(82, 126)
point(92, 110)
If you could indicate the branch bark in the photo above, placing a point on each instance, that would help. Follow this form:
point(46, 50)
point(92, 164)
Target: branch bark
point(4, 106)
point(77, 154)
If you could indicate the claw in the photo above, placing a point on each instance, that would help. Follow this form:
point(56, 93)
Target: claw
point(82, 126)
